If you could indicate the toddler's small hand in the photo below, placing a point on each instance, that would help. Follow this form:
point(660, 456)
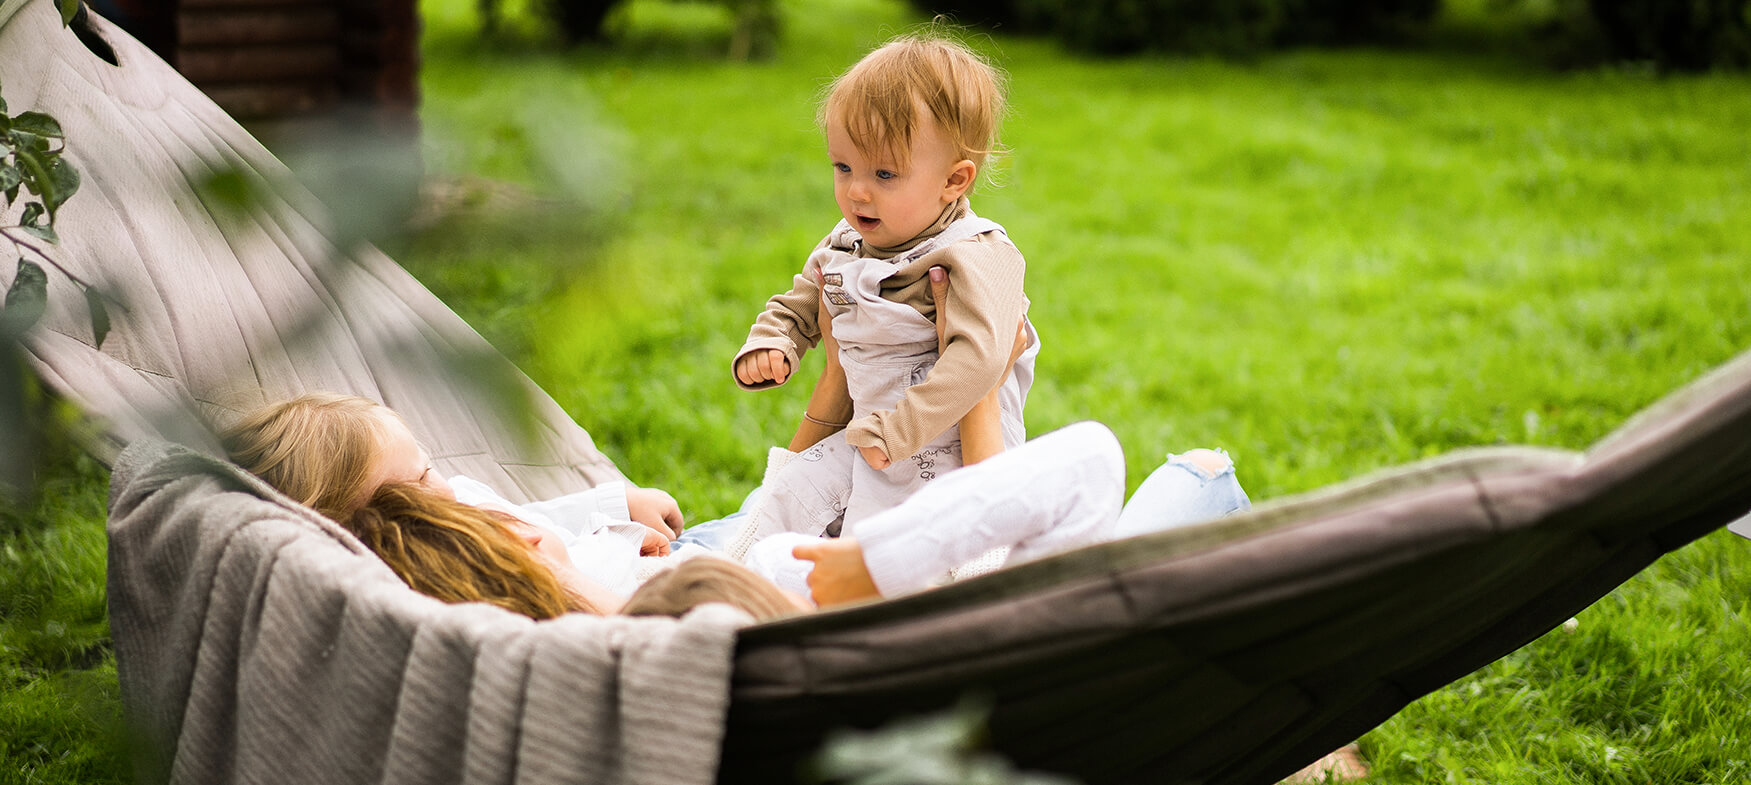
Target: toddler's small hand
point(763, 366)
point(655, 544)
point(876, 457)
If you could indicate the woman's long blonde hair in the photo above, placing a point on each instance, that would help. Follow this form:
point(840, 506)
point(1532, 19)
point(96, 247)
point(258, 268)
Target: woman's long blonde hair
point(457, 552)
point(318, 448)
point(322, 450)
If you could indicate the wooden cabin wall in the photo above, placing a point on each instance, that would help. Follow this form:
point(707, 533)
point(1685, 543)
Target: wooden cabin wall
point(289, 59)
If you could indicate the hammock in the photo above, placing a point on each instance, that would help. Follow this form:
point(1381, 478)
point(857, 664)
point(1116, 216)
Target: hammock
point(1232, 652)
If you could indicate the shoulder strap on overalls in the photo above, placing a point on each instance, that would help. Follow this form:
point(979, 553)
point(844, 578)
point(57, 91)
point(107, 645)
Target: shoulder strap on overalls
point(969, 226)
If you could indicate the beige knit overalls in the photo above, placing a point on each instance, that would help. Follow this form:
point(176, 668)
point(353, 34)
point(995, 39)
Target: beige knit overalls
point(885, 348)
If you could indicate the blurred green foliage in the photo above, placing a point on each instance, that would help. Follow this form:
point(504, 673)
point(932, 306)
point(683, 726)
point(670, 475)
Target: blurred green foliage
point(945, 748)
point(756, 23)
point(1235, 28)
point(1694, 35)
point(37, 178)
point(60, 706)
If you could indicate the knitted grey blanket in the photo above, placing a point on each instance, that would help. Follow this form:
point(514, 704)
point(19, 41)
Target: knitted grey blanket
point(259, 642)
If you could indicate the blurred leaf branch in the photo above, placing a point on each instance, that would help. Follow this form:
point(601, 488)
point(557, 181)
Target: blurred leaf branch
point(944, 748)
point(36, 180)
point(33, 166)
point(362, 189)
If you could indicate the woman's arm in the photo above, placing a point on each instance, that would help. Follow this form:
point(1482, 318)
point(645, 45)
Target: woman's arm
point(829, 407)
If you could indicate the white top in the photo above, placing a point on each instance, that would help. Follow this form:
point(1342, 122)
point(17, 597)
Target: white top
point(1057, 492)
point(597, 530)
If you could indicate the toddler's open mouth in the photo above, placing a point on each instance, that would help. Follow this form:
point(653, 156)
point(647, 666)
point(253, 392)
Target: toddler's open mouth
point(865, 224)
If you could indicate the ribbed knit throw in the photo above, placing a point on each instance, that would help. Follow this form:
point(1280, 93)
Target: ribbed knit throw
point(257, 641)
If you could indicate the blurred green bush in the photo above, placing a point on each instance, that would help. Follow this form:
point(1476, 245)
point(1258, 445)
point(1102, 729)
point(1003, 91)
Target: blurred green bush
point(1234, 27)
point(1670, 35)
point(1226, 27)
point(1353, 21)
point(577, 21)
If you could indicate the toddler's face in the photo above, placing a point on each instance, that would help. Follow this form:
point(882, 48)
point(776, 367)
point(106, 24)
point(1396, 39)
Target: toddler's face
point(886, 200)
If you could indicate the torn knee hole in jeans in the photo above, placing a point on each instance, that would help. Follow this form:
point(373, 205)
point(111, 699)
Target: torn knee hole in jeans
point(1209, 463)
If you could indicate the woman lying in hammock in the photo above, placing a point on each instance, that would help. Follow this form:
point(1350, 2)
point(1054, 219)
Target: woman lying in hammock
point(355, 461)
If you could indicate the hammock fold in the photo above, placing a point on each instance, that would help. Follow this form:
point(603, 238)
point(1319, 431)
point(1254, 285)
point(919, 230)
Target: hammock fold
point(225, 310)
point(1232, 652)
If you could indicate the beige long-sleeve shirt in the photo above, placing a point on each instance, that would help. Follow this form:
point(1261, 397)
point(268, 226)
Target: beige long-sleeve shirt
point(985, 303)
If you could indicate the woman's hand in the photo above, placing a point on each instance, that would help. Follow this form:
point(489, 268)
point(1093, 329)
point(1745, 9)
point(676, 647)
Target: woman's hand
point(840, 576)
point(655, 508)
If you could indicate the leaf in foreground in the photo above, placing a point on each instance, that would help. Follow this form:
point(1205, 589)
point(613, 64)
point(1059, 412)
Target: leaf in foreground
point(25, 300)
point(99, 316)
point(37, 123)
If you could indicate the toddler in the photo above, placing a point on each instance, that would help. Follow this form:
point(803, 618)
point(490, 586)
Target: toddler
point(907, 129)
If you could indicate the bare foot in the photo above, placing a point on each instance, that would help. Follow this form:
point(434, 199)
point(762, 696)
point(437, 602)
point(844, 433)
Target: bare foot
point(1343, 764)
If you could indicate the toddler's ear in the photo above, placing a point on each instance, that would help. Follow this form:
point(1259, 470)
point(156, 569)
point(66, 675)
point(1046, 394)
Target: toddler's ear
point(960, 180)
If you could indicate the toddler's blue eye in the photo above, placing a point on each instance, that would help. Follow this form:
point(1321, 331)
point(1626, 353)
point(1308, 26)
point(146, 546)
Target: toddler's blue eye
point(842, 168)
point(886, 175)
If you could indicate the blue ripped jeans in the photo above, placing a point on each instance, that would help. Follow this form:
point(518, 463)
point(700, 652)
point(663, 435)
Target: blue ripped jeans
point(1182, 492)
point(717, 535)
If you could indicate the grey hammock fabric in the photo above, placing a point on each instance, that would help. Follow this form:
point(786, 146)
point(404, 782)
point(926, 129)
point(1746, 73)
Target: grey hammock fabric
point(1231, 653)
point(257, 641)
point(1238, 651)
point(223, 313)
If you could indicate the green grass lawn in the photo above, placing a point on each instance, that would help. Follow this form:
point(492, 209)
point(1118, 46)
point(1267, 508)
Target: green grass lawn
point(1324, 262)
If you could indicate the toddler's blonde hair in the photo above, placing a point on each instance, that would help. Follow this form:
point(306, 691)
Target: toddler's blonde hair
point(701, 580)
point(880, 100)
